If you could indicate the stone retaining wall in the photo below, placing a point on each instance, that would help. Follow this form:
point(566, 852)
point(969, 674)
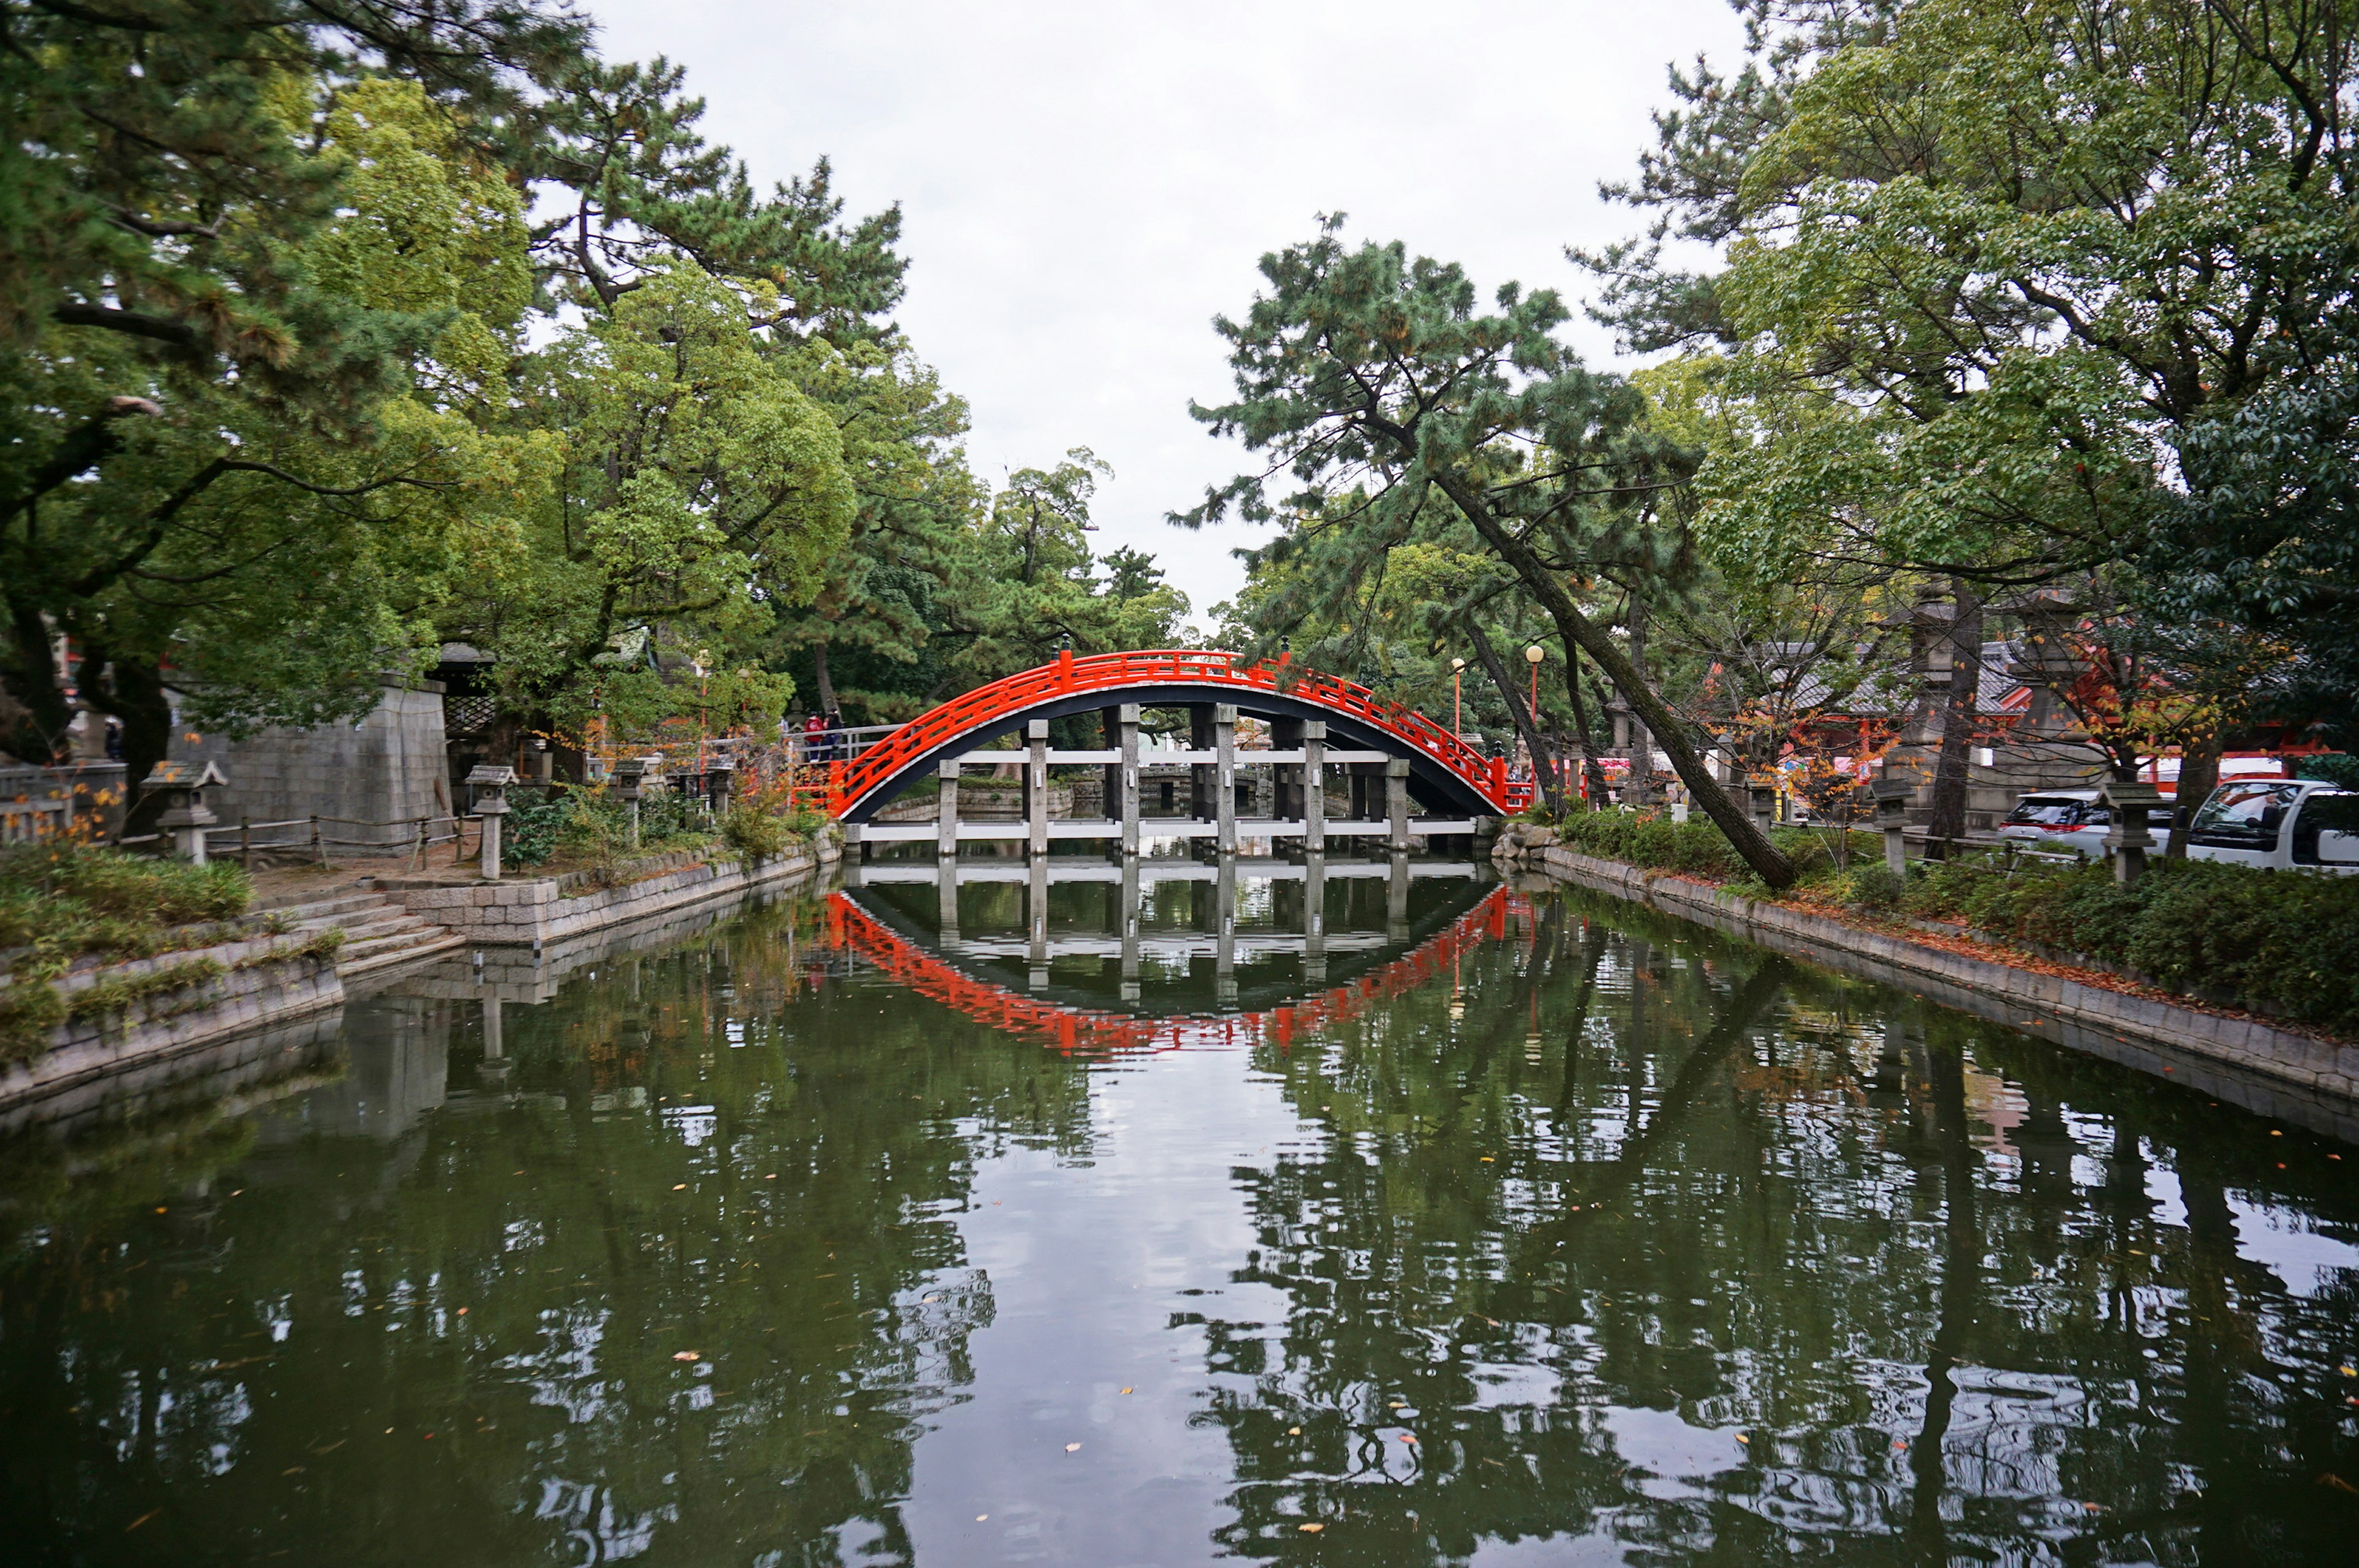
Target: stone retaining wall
point(154, 1032)
point(2161, 1036)
point(524, 910)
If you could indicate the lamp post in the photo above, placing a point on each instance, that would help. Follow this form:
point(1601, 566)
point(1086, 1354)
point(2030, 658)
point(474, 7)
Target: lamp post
point(186, 817)
point(630, 777)
point(1892, 796)
point(1457, 679)
point(490, 783)
point(1532, 657)
point(2127, 841)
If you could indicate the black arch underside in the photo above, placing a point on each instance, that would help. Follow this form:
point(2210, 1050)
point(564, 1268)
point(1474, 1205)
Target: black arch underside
point(1431, 785)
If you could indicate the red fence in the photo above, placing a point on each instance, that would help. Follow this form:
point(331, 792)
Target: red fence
point(1111, 673)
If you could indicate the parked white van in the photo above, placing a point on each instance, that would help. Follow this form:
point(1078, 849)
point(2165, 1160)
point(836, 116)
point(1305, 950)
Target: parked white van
point(2288, 824)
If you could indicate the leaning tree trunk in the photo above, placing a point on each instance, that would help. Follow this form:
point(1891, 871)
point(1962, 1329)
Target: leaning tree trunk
point(39, 733)
point(2199, 775)
point(1527, 724)
point(1670, 732)
point(1642, 739)
point(819, 676)
point(1952, 771)
point(1593, 773)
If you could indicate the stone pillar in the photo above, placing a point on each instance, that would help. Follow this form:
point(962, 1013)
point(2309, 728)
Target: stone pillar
point(946, 814)
point(630, 778)
point(1126, 802)
point(946, 889)
point(1892, 797)
point(1314, 919)
point(1129, 927)
point(1314, 786)
point(1201, 804)
point(1396, 805)
point(1396, 899)
point(1224, 941)
point(2128, 839)
point(490, 783)
point(1036, 787)
point(1225, 777)
point(1037, 914)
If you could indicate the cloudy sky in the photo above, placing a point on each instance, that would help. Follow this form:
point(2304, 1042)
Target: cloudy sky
point(1084, 186)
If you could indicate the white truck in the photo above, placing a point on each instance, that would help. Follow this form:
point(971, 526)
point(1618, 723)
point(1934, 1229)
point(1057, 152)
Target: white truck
point(2287, 823)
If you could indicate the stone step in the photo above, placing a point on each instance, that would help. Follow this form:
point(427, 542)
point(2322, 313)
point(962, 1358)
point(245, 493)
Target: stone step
point(406, 949)
point(325, 910)
point(392, 923)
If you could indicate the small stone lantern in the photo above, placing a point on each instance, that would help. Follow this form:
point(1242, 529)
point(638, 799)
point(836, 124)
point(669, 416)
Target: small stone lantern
point(1892, 797)
point(490, 783)
point(185, 816)
point(2127, 841)
point(630, 777)
point(1765, 807)
point(718, 780)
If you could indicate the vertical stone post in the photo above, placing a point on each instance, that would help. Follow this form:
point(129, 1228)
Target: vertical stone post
point(720, 779)
point(1396, 899)
point(2128, 839)
point(946, 814)
point(1036, 915)
point(946, 889)
point(1892, 797)
point(1129, 927)
point(1396, 805)
point(1036, 787)
point(1225, 940)
point(495, 1067)
point(1224, 779)
point(1127, 770)
point(1314, 918)
point(1314, 786)
point(1765, 807)
point(490, 783)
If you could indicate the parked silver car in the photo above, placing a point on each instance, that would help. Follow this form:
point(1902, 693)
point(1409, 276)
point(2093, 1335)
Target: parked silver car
point(2070, 819)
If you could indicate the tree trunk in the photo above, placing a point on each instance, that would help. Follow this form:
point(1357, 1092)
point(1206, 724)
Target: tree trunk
point(1641, 745)
point(1543, 775)
point(2199, 775)
point(1668, 731)
point(30, 675)
point(818, 676)
point(1593, 773)
point(1952, 771)
point(134, 692)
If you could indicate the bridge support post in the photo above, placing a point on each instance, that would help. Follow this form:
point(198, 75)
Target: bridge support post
point(1036, 915)
point(1314, 918)
point(1396, 805)
point(1314, 786)
point(1225, 777)
point(1396, 899)
point(946, 888)
point(1036, 787)
point(946, 817)
point(1129, 927)
point(1225, 942)
point(1127, 770)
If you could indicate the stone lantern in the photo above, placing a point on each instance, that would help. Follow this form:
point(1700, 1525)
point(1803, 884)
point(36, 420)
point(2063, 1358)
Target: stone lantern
point(1892, 797)
point(490, 783)
point(186, 817)
point(2127, 841)
point(718, 780)
point(630, 778)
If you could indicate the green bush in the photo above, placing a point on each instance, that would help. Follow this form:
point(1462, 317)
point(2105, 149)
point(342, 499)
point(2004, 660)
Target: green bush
point(594, 824)
point(2288, 941)
point(68, 899)
point(752, 831)
point(1870, 888)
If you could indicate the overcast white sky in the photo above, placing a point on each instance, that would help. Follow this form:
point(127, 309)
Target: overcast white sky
point(1085, 184)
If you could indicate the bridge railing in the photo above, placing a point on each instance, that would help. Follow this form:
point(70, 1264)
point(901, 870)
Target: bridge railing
point(1113, 673)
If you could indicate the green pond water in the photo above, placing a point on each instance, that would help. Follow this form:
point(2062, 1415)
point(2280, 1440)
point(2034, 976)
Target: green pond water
point(1157, 1222)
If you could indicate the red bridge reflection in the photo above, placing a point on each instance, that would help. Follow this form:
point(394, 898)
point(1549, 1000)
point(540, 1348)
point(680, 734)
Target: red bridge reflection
point(1077, 1029)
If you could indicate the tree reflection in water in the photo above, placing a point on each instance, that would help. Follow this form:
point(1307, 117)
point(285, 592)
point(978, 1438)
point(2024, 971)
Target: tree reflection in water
point(1598, 1238)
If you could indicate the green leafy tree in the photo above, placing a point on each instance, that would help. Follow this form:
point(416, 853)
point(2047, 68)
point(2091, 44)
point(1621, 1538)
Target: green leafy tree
point(1374, 381)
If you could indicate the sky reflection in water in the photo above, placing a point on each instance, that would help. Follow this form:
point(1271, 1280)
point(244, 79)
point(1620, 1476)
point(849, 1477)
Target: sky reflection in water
point(1497, 1226)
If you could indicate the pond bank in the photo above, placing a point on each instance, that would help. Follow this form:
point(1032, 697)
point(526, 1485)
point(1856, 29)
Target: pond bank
point(2304, 1076)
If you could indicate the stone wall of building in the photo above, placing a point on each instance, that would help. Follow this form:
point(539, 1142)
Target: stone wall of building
point(378, 775)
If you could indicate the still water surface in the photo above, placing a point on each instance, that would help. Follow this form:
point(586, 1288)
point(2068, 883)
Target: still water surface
point(1158, 1222)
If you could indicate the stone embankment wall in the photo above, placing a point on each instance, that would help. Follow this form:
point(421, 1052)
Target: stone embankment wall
point(524, 910)
point(264, 982)
point(2148, 1031)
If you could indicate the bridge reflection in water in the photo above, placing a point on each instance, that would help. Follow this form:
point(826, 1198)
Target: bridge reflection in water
point(1158, 955)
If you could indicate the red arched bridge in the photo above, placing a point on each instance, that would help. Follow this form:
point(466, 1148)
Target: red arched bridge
point(1392, 754)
